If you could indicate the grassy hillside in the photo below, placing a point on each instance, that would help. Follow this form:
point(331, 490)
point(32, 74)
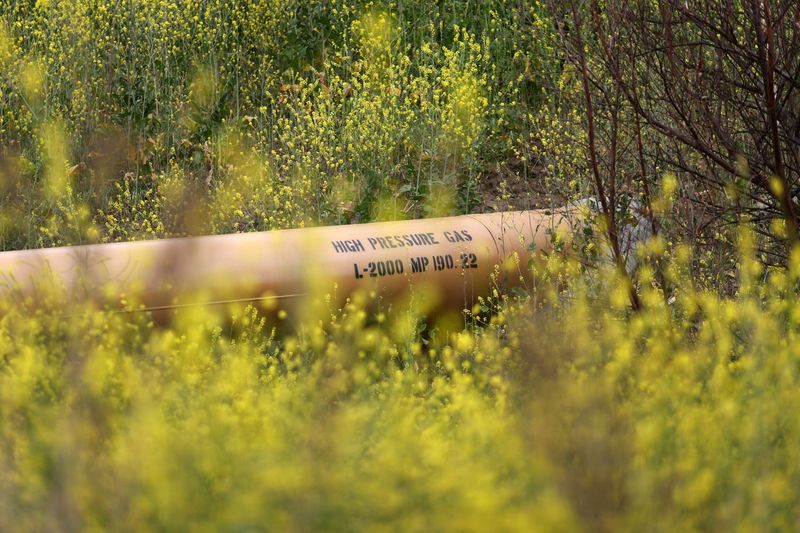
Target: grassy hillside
point(559, 408)
point(262, 114)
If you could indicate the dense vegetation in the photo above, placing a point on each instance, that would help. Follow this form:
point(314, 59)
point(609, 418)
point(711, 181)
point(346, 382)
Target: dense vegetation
point(605, 398)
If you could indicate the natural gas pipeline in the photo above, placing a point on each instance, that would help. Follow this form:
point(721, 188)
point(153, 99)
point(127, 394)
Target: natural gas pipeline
point(455, 255)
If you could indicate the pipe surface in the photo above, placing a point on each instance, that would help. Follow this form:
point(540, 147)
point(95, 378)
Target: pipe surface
point(455, 254)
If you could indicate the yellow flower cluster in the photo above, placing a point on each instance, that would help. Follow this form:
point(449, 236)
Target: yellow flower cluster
point(553, 408)
point(561, 412)
point(353, 110)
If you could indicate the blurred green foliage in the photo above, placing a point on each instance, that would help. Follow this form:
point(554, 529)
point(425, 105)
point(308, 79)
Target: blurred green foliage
point(564, 412)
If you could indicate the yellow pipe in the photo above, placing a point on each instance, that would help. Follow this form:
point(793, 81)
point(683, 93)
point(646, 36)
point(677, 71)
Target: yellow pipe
point(455, 254)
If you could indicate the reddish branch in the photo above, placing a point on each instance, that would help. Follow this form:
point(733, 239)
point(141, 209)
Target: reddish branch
point(607, 204)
